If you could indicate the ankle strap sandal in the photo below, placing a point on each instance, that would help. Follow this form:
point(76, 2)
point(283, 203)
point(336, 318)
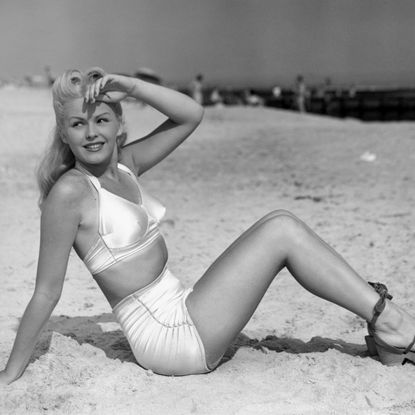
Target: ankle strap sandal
point(388, 355)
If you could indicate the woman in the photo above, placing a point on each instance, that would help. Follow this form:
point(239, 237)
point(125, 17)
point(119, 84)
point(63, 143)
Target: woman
point(91, 200)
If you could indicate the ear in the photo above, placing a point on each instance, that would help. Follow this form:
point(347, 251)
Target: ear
point(61, 135)
point(120, 129)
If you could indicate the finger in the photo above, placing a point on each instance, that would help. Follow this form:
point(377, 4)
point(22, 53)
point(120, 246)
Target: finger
point(104, 81)
point(93, 90)
point(103, 97)
point(89, 94)
point(96, 88)
point(86, 94)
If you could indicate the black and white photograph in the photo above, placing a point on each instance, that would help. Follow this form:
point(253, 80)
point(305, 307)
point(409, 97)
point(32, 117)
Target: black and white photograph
point(207, 207)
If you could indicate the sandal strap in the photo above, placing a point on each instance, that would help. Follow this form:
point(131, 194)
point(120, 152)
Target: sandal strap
point(382, 290)
point(393, 349)
point(408, 349)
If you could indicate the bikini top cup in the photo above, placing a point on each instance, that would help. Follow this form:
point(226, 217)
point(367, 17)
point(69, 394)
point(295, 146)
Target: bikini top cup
point(124, 228)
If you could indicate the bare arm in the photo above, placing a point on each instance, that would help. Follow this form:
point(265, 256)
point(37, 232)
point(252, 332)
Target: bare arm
point(59, 224)
point(183, 114)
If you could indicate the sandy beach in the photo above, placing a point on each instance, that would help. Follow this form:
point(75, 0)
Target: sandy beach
point(352, 182)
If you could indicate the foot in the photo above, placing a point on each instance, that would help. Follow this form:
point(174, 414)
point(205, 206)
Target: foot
point(395, 326)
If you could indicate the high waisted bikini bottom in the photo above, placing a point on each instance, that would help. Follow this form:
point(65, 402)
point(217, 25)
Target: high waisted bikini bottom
point(159, 329)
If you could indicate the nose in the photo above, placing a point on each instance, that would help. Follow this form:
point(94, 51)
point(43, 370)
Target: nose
point(91, 132)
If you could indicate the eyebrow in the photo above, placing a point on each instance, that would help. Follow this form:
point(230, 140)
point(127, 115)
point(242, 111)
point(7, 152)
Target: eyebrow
point(77, 117)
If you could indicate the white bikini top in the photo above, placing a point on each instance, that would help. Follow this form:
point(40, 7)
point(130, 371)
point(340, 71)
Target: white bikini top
point(125, 228)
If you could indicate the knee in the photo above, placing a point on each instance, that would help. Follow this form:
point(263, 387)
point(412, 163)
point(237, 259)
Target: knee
point(281, 217)
point(282, 224)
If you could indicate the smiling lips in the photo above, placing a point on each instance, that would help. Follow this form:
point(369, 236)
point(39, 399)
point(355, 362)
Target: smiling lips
point(94, 146)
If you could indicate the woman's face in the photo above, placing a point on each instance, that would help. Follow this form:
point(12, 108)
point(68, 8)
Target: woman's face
point(90, 130)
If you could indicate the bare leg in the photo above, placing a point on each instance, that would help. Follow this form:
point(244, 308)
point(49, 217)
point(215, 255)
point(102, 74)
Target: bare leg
point(226, 296)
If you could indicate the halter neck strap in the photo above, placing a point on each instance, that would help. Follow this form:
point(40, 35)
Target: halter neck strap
point(94, 180)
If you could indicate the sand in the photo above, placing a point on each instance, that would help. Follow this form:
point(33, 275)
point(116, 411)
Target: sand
point(298, 354)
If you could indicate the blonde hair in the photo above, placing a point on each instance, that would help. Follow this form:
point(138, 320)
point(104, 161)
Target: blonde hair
point(58, 157)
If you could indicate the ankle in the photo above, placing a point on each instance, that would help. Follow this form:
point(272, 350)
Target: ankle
point(391, 319)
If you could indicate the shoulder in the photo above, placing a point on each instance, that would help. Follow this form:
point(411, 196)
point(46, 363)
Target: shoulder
point(127, 159)
point(68, 192)
point(62, 213)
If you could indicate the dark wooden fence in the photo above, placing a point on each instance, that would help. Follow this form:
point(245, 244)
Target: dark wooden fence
point(367, 105)
point(364, 104)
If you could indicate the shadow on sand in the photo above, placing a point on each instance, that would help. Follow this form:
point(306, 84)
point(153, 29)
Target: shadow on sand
point(103, 332)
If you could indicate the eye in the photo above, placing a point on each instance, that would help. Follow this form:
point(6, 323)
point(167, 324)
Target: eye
point(102, 120)
point(76, 124)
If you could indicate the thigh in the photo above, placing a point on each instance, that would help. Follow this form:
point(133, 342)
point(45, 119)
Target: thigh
point(226, 296)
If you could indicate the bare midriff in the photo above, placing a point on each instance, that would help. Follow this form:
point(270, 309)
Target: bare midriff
point(133, 273)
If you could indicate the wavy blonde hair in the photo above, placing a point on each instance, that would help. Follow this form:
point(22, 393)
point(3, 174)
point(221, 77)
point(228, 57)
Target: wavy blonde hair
point(58, 157)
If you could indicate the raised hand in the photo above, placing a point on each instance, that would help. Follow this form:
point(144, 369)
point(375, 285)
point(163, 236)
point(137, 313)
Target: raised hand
point(110, 88)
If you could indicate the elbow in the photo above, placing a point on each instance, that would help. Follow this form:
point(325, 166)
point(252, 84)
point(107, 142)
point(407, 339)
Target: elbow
point(190, 116)
point(198, 114)
point(49, 298)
